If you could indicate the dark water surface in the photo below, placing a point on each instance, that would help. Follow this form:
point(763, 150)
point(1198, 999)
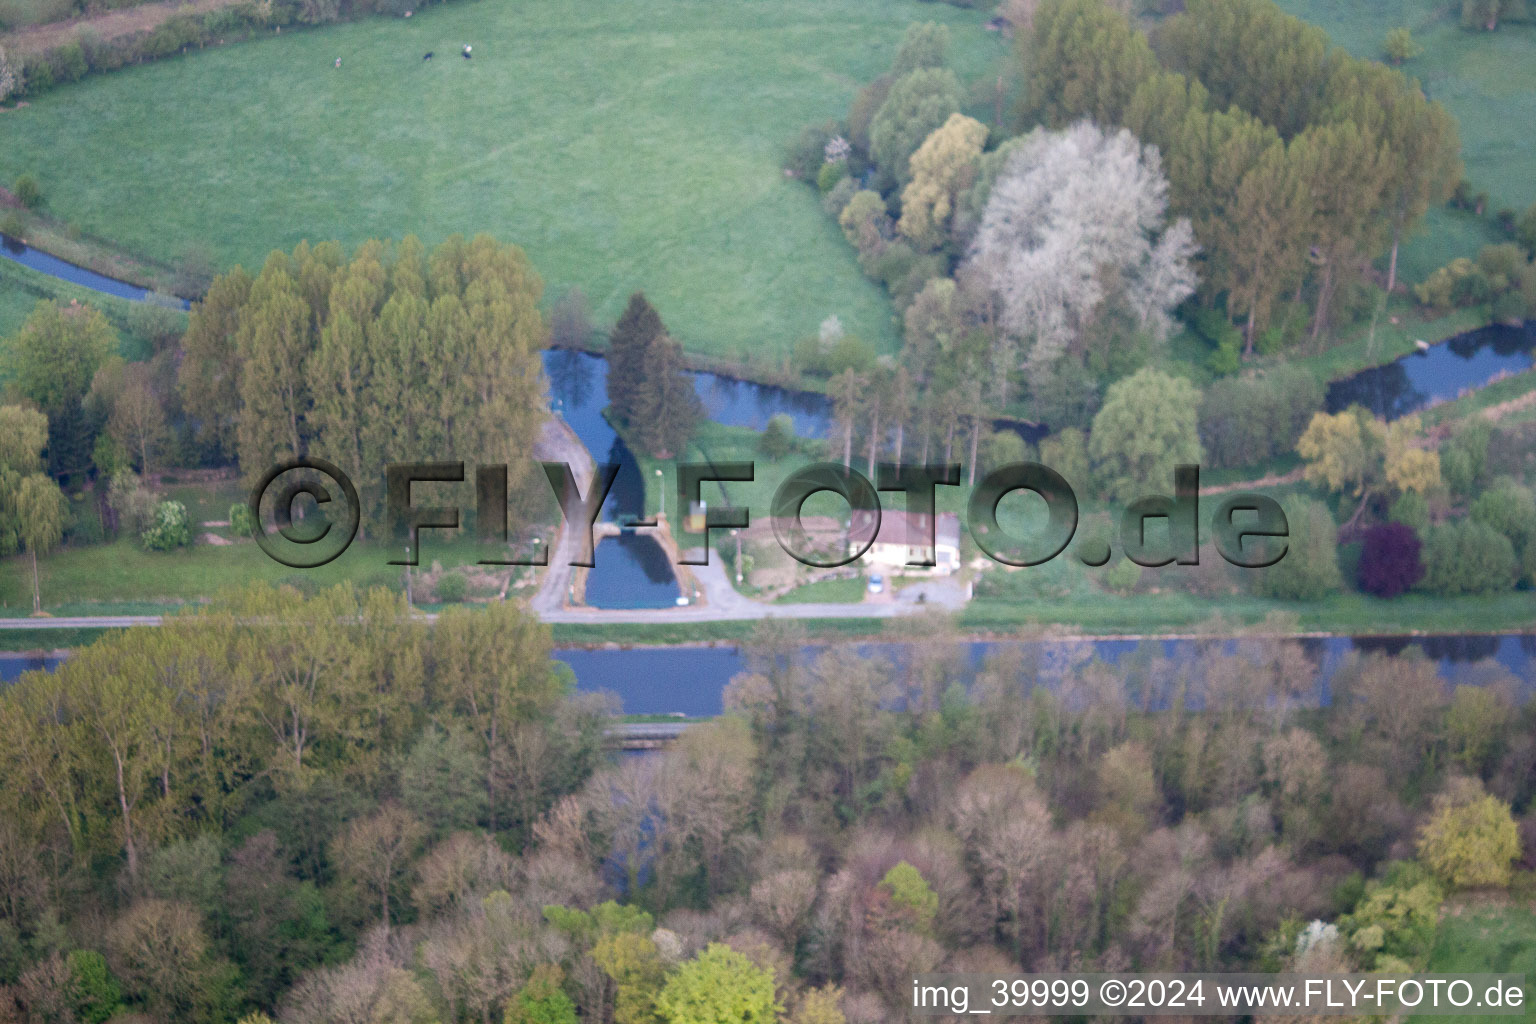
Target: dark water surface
point(1420, 379)
point(691, 680)
point(20, 252)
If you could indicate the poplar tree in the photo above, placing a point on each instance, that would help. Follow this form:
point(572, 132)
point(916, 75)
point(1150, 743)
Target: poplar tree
point(208, 377)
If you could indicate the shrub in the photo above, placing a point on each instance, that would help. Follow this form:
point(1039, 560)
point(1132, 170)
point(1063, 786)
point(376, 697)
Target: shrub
point(1389, 560)
point(28, 192)
point(133, 505)
point(451, 588)
point(1525, 230)
point(806, 151)
point(1467, 558)
point(170, 528)
point(1123, 576)
point(13, 224)
point(1399, 46)
point(1509, 509)
point(94, 993)
point(830, 174)
point(1252, 419)
point(241, 522)
point(778, 438)
point(865, 223)
point(1464, 458)
point(834, 202)
point(1457, 284)
point(1470, 841)
point(1310, 568)
point(1411, 510)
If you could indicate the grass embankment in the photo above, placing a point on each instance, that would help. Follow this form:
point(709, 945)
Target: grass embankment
point(624, 146)
point(1486, 79)
point(22, 288)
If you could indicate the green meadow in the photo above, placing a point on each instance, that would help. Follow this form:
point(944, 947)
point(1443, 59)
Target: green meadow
point(625, 145)
point(1487, 80)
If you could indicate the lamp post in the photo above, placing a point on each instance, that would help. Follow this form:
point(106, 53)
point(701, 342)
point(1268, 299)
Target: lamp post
point(408, 575)
point(737, 535)
point(662, 492)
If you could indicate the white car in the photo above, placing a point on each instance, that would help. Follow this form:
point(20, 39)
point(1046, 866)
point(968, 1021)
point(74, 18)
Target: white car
point(876, 584)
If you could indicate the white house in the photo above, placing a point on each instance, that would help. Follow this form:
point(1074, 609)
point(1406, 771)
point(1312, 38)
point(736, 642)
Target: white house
point(903, 539)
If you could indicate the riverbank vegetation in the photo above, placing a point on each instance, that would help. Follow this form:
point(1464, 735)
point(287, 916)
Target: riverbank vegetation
point(284, 805)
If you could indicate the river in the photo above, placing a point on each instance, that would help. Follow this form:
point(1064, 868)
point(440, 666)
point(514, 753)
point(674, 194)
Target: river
point(691, 680)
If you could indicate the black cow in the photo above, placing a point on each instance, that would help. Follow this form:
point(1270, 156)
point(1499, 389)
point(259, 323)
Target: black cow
point(427, 55)
point(466, 51)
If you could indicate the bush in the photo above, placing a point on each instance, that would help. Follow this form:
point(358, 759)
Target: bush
point(1525, 230)
point(133, 505)
point(1389, 560)
point(1310, 568)
point(27, 191)
point(169, 528)
point(1470, 841)
point(778, 438)
point(1411, 510)
point(451, 588)
point(830, 174)
point(1467, 558)
point(1510, 510)
point(1458, 284)
point(835, 201)
point(241, 522)
point(806, 151)
point(13, 224)
point(1123, 576)
point(1248, 420)
point(1464, 458)
point(1399, 46)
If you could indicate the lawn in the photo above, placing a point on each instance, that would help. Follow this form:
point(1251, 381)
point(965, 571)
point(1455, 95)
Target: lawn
point(1487, 80)
point(1486, 939)
point(625, 145)
point(844, 591)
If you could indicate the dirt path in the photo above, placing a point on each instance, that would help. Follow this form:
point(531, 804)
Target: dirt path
point(108, 25)
point(1248, 485)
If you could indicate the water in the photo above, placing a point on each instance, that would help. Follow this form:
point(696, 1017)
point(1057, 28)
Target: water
point(20, 252)
point(631, 570)
point(691, 680)
point(13, 665)
point(1420, 379)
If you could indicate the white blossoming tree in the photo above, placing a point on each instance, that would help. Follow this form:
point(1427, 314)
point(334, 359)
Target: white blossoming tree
point(1078, 219)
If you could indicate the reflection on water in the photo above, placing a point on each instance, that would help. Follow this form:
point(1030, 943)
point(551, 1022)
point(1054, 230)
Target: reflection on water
point(1419, 379)
point(691, 680)
point(631, 571)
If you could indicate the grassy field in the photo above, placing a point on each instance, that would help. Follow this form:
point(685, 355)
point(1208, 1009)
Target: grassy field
point(1487, 80)
point(22, 288)
point(625, 145)
point(1486, 939)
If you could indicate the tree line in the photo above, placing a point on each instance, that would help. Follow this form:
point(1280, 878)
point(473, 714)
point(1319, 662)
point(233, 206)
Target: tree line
point(313, 808)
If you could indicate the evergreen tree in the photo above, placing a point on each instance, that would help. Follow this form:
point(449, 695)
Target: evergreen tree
point(639, 325)
point(667, 408)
